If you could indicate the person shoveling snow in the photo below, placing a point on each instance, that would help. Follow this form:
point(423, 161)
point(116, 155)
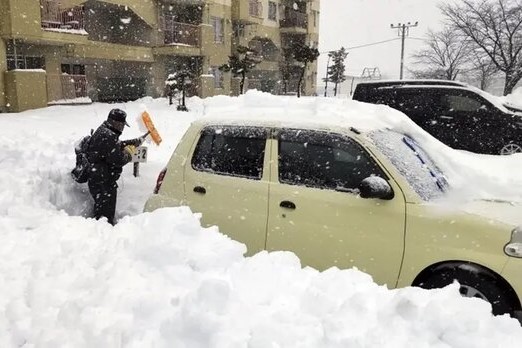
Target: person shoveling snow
point(106, 155)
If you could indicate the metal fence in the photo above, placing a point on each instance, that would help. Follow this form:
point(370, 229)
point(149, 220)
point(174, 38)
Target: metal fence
point(181, 33)
point(66, 87)
point(294, 19)
point(55, 17)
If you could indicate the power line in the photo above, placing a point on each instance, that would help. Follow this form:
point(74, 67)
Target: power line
point(418, 38)
point(366, 45)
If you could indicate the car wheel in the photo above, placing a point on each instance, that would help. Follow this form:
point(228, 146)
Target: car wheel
point(510, 149)
point(473, 283)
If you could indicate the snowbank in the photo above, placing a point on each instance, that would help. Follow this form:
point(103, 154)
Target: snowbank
point(159, 279)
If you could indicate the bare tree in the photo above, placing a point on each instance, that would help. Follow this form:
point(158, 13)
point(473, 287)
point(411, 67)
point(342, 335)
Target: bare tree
point(495, 27)
point(482, 70)
point(444, 57)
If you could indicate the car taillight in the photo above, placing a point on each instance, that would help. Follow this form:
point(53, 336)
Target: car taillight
point(161, 176)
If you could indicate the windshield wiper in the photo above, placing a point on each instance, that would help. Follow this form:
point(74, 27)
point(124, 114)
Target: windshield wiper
point(440, 180)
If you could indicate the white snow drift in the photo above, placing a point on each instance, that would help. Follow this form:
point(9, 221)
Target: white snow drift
point(161, 280)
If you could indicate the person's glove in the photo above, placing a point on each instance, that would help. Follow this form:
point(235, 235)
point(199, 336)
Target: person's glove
point(130, 149)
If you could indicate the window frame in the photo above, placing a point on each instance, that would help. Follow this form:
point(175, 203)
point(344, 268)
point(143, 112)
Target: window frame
point(219, 78)
point(322, 134)
point(219, 35)
point(22, 59)
point(262, 133)
point(451, 93)
point(272, 10)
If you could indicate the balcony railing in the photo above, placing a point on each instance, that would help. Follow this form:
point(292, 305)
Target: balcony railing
point(294, 19)
point(54, 17)
point(66, 87)
point(255, 8)
point(181, 33)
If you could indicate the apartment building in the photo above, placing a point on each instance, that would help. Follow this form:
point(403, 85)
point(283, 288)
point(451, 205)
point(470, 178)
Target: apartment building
point(74, 51)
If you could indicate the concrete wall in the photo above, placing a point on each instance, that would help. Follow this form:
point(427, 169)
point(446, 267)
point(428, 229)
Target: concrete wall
point(24, 18)
point(216, 54)
point(3, 69)
point(25, 90)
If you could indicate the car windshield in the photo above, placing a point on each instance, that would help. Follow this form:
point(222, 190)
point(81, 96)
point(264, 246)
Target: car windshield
point(412, 162)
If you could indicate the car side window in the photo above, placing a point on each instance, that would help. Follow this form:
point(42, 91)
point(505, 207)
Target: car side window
point(323, 160)
point(462, 102)
point(414, 100)
point(234, 151)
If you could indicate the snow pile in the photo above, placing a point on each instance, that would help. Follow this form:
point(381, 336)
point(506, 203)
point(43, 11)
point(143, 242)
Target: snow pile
point(514, 98)
point(159, 279)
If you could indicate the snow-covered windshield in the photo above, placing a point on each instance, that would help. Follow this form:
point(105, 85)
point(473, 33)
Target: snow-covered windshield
point(413, 163)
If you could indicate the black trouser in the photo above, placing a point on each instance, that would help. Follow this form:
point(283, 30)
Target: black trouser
point(104, 195)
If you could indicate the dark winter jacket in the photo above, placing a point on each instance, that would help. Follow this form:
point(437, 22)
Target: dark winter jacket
point(106, 155)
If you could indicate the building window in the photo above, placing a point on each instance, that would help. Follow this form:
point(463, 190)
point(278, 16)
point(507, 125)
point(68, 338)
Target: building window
point(315, 18)
point(218, 77)
point(73, 69)
point(219, 30)
point(25, 62)
point(272, 11)
point(239, 30)
point(17, 59)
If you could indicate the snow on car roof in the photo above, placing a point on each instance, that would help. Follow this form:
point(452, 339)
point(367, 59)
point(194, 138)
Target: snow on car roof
point(320, 113)
point(415, 81)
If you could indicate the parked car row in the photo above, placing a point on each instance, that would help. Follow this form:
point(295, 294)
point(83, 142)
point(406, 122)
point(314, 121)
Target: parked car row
point(460, 116)
point(336, 196)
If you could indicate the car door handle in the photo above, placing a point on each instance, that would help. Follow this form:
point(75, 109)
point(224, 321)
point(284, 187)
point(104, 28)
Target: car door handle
point(287, 205)
point(200, 189)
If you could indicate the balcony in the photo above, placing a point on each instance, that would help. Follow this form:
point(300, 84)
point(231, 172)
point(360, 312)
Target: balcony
point(177, 33)
point(55, 18)
point(65, 88)
point(294, 22)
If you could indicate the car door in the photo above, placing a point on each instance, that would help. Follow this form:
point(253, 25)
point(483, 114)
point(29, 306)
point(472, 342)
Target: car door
point(316, 212)
point(226, 181)
point(466, 120)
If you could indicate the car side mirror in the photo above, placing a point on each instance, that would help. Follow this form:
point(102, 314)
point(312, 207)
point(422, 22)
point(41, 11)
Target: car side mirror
point(375, 187)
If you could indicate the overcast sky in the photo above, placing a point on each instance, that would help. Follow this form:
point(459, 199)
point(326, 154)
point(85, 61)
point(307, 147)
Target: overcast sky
point(351, 23)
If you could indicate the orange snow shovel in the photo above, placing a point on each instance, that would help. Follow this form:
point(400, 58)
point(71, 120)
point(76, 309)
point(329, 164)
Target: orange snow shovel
point(147, 121)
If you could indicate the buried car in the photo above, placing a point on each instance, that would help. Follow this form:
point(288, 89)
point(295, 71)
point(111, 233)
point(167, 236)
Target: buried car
point(339, 197)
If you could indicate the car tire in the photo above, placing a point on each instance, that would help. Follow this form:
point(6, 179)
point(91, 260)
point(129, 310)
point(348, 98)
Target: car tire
point(511, 149)
point(474, 283)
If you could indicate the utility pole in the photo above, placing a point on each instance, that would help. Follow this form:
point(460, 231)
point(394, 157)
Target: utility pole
point(404, 29)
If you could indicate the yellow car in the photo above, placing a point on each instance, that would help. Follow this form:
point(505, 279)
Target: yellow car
point(337, 197)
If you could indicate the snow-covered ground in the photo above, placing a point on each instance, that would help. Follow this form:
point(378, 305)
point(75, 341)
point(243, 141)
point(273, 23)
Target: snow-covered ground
point(161, 280)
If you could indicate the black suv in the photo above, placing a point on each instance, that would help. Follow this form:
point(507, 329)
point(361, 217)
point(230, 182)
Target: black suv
point(460, 116)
